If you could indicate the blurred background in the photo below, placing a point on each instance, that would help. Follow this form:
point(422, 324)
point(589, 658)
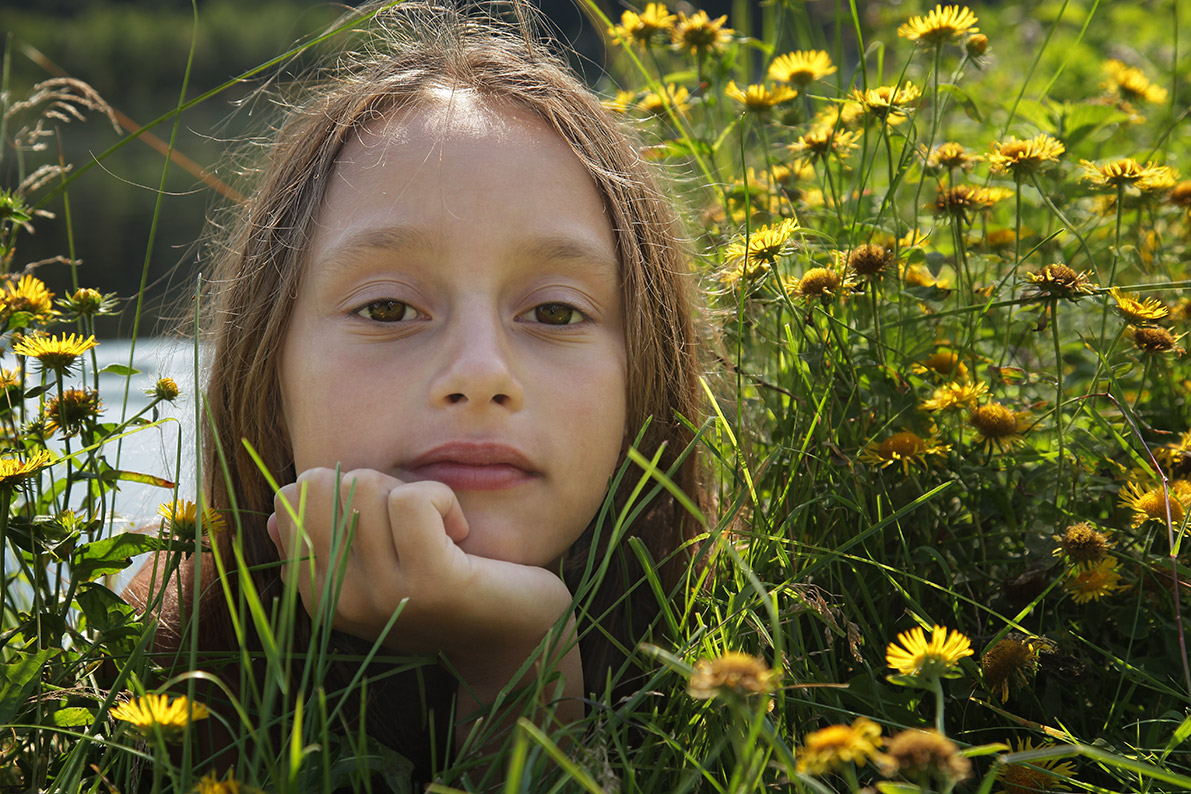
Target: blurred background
point(134, 54)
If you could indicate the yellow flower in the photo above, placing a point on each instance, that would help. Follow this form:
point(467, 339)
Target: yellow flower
point(85, 302)
point(846, 115)
point(1014, 657)
point(942, 362)
point(165, 389)
point(961, 199)
point(700, 33)
point(885, 101)
point(70, 411)
point(151, 713)
point(1131, 84)
point(731, 673)
point(996, 425)
point(645, 27)
point(951, 155)
point(621, 102)
point(181, 517)
point(1127, 172)
point(29, 296)
point(828, 749)
point(57, 353)
point(1180, 195)
point(1082, 543)
point(976, 45)
point(916, 753)
point(1024, 156)
point(1138, 310)
point(1036, 778)
point(918, 656)
point(210, 784)
point(1151, 504)
point(915, 274)
point(14, 471)
point(822, 141)
point(818, 282)
point(675, 96)
point(757, 252)
point(1093, 582)
point(961, 394)
point(1058, 281)
point(904, 448)
point(944, 23)
point(758, 98)
point(801, 68)
point(1154, 339)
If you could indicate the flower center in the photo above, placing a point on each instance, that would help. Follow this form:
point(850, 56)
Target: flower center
point(994, 420)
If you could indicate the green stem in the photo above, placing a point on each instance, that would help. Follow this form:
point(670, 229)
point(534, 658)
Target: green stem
point(1054, 333)
point(936, 685)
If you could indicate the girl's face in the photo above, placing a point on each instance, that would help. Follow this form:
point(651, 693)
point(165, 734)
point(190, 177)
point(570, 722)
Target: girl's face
point(460, 320)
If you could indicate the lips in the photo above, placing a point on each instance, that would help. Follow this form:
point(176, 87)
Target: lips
point(474, 466)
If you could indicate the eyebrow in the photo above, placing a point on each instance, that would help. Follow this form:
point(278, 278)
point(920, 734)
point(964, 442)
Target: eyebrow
point(558, 248)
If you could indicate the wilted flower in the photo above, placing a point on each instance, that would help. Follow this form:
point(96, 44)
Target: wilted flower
point(1013, 658)
point(914, 753)
point(1058, 281)
point(1082, 543)
point(1154, 339)
point(828, 749)
point(958, 201)
point(732, 673)
point(72, 410)
point(822, 141)
point(869, 260)
point(976, 46)
point(818, 282)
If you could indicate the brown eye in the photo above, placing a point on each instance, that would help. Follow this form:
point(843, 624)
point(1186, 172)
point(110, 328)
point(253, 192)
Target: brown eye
point(557, 314)
point(387, 311)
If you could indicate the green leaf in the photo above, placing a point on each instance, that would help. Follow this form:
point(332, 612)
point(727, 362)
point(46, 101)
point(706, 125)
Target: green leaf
point(965, 101)
point(105, 611)
point(985, 749)
point(889, 787)
point(73, 717)
point(131, 476)
point(120, 369)
point(17, 680)
point(111, 555)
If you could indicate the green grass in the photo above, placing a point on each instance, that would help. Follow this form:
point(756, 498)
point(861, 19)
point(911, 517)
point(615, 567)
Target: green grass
point(818, 554)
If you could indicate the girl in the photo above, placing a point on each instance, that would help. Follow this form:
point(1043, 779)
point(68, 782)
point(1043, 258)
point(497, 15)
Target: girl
point(454, 300)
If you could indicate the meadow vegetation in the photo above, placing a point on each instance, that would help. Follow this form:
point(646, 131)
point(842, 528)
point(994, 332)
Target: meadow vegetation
point(946, 252)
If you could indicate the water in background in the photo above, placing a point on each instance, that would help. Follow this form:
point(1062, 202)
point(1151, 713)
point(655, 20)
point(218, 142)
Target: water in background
point(167, 450)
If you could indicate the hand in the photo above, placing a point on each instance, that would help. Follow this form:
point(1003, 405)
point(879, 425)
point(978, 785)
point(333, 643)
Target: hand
point(482, 614)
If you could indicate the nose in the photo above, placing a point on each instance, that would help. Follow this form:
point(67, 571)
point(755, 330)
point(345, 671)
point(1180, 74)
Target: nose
point(478, 367)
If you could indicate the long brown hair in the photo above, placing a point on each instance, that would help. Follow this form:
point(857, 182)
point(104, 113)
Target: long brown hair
point(409, 50)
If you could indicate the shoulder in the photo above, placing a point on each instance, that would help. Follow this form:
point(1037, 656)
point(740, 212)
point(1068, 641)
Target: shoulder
point(164, 588)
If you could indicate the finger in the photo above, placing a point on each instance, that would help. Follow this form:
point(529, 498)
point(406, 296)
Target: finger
point(427, 521)
point(364, 495)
